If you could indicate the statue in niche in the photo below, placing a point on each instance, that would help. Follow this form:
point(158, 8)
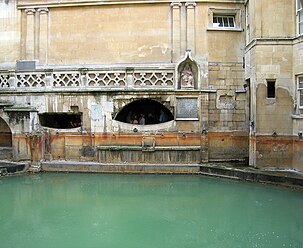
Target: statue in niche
point(187, 76)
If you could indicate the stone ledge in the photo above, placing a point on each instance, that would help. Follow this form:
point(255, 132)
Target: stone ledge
point(274, 176)
point(297, 116)
point(156, 148)
point(238, 171)
point(74, 166)
point(13, 167)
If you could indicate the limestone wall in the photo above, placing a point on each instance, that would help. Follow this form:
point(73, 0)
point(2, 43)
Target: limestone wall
point(9, 33)
point(109, 34)
point(228, 108)
point(90, 32)
point(272, 18)
point(273, 55)
point(274, 63)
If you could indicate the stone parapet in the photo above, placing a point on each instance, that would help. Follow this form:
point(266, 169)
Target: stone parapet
point(122, 78)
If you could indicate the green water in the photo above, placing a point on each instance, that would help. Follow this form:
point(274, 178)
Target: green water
point(157, 211)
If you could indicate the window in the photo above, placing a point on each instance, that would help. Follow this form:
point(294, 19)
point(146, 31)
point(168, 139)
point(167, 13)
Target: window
point(223, 21)
point(271, 89)
point(300, 88)
point(300, 16)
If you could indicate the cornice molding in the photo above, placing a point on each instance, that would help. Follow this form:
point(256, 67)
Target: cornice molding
point(274, 41)
point(25, 4)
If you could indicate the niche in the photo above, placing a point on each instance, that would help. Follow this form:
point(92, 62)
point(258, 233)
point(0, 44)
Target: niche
point(187, 73)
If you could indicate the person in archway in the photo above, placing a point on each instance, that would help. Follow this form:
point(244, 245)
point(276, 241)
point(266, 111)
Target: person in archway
point(163, 116)
point(135, 120)
point(142, 120)
point(129, 117)
point(150, 119)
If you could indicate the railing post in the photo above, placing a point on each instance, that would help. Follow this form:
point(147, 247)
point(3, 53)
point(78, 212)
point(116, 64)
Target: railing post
point(129, 77)
point(48, 79)
point(83, 78)
point(12, 80)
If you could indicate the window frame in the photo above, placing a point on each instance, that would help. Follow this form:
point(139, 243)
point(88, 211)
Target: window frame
point(299, 13)
point(300, 90)
point(235, 13)
point(225, 20)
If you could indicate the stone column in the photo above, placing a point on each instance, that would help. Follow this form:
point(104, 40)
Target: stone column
point(30, 34)
point(176, 31)
point(43, 36)
point(190, 27)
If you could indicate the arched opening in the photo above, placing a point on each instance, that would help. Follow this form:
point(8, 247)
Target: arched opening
point(144, 112)
point(5, 134)
point(60, 120)
point(5, 141)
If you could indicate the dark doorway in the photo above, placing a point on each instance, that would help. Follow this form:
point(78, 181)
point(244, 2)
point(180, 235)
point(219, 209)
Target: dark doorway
point(5, 134)
point(60, 120)
point(151, 111)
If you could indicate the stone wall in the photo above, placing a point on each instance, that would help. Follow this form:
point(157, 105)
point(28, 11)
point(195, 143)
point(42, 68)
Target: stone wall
point(9, 33)
point(272, 55)
point(228, 108)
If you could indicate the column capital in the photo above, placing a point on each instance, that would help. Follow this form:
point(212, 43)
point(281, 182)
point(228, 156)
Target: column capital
point(190, 5)
point(176, 5)
point(43, 10)
point(30, 11)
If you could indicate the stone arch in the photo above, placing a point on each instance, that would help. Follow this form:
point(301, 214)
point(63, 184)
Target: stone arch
point(153, 111)
point(187, 73)
point(5, 141)
point(5, 134)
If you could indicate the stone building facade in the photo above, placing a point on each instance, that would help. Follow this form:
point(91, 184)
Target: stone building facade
point(214, 80)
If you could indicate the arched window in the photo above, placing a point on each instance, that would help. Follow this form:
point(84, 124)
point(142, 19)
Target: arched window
point(144, 112)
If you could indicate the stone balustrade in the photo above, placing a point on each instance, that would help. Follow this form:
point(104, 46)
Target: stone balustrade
point(88, 79)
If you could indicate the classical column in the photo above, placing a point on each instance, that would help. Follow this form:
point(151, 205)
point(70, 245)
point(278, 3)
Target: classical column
point(30, 34)
point(43, 36)
point(176, 31)
point(190, 27)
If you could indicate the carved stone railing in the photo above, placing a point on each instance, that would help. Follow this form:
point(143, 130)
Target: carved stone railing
point(88, 79)
point(154, 79)
point(106, 79)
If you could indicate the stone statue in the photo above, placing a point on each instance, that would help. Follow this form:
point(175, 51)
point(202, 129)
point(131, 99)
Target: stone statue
point(187, 76)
